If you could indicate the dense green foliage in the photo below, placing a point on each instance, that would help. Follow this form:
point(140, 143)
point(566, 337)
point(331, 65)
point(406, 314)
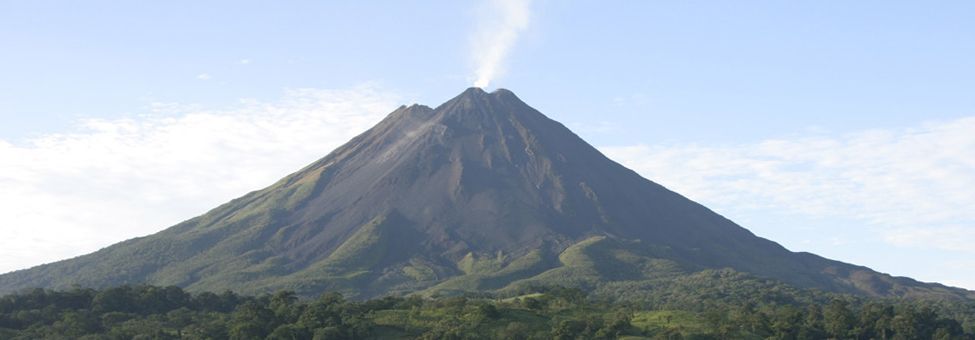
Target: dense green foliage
point(150, 312)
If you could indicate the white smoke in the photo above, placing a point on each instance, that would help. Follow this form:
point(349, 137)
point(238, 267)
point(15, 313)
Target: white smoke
point(499, 27)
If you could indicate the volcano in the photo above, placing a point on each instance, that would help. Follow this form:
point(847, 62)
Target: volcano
point(480, 194)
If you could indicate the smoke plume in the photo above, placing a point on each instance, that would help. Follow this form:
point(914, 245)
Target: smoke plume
point(499, 27)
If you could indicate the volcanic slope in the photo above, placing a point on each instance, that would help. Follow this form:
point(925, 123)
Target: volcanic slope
point(482, 193)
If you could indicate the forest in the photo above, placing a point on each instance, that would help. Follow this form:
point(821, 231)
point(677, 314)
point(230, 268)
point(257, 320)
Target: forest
point(151, 312)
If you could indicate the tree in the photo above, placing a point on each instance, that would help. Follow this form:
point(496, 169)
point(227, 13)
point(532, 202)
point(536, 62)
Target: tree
point(751, 319)
point(252, 321)
point(449, 328)
point(514, 331)
point(289, 332)
point(787, 323)
point(118, 299)
point(180, 318)
point(812, 326)
point(75, 324)
point(838, 319)
point(534, 303)
point(324, 312)
point(874, 320)
point(488, 311)
point(619, 323)
point(284, 306)
point(568, 329)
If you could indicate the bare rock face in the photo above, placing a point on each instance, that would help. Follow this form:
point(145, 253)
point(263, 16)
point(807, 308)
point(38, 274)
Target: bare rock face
point(482, 193)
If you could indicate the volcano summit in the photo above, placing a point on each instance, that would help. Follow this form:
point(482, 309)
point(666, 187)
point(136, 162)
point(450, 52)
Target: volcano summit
point(480, 194)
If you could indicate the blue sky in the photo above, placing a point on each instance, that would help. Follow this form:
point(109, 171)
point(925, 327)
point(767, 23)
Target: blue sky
point(835, 127)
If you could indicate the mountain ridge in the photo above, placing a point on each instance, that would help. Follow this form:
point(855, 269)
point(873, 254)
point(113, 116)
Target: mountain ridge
point(481, 193)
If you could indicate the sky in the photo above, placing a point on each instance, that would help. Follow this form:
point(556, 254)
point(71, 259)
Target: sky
point(841, 128)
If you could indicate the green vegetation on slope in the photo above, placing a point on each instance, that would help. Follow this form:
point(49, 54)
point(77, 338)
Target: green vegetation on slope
point(149, 312)
point(488, 274)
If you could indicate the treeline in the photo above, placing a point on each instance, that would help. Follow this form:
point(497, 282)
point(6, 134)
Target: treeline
point(837, 320)
point(149, 312)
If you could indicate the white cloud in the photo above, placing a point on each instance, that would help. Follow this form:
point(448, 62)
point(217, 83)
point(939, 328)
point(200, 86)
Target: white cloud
point(960, 266)
point(72, 193)
point(499, 27)
point(636, 100)
point(594, 128)
point(203, 76)
point(912, 186)
point(244, 61)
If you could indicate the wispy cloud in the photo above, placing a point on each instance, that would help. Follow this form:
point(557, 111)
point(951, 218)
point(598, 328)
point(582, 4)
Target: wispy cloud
point(636, 99)
point(203, 76)
point(594, 128)
point(497, 31)
point(911, 186)
point(71, 193)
